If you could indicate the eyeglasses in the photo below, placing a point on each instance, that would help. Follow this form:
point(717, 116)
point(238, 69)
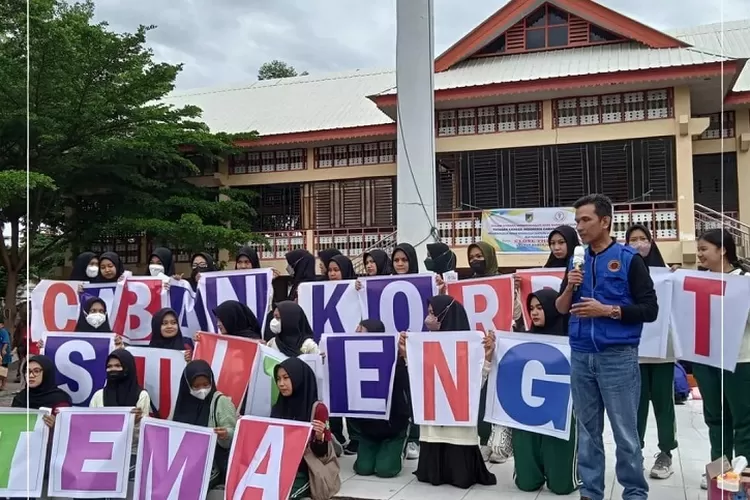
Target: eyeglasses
point(35, 371)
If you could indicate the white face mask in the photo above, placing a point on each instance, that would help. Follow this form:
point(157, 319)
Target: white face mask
point(200, 393)
point(275, 326)
point(92, 271)
point(155, 269)
point(96, 319)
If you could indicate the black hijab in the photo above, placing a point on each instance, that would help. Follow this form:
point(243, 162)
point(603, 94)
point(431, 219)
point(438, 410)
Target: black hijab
point(210, 266)
point(78, 273)
point(83, 325)
point(373, 325)
point(251, 254)
point(411, 255)
point(166, 258)
point(325, 257)
point(554, 322)
point(304, 395)
point(188, 409)
point(570, 236)
point(450, 313)
point(302, 263)
point(441, 258)
point(46, 394)
point(382, 261)
point(295, 329)
point(654, 257)
point(238, 319)
point(176, 343)
point(346, 266)
point(119, 266)
point(124, 391)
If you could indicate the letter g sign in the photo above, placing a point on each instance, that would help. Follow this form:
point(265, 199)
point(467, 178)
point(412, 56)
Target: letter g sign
point(518, 384)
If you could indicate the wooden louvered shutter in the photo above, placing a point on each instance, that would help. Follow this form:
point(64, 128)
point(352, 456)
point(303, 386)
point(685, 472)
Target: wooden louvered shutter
point(657, 157)
point(485, 179)
point(527, 177)
point(382, 196)
point(613, 170)
point(351, 203)
point(447, 174)
point(323, 203)
point(570, 179)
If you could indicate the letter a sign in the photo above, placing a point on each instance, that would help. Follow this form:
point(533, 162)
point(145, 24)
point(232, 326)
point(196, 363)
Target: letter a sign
point(266, 454)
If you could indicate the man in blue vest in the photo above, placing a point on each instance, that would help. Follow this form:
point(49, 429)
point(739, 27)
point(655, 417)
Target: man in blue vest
point(609, 298)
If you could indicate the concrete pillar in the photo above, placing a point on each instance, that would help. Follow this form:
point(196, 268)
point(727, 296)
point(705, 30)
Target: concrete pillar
point(684, 176)
point(415, 197)
point(742, 133)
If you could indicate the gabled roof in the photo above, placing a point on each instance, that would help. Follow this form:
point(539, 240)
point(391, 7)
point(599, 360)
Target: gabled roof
point(516, 10)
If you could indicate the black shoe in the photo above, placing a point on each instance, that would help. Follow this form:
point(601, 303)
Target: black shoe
point(351, 448)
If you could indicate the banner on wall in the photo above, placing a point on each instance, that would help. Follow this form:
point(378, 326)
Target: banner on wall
point(265, 456)
point(488, 301)
point(529, 385)
point(232, 360)
point(174, 460)
point(159, 372)
point(23, 452)
point(248, 286)
point(91, 453)
point(399, 301)
point(359, 374)
point(330, 306)
point(81, 360)
point(709, 316)
point(524, 230)
point(445, 375)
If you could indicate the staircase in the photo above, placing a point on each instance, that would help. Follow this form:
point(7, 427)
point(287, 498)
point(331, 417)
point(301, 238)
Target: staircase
point(708, 218)
point(386, 244)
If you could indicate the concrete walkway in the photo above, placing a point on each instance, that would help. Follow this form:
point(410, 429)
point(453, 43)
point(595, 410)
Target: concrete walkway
point(689, 463)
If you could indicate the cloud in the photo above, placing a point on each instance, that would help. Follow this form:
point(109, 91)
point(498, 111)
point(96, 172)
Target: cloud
point(225, 41)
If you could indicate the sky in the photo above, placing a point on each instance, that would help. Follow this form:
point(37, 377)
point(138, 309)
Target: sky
point(224, 42)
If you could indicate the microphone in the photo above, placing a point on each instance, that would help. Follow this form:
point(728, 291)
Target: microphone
point(579, 256)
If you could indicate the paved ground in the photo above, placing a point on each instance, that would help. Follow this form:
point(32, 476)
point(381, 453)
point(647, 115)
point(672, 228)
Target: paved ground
point(689, 463)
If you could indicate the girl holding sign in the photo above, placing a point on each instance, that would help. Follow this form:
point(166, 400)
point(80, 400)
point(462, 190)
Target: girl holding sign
point(540, 459)
point(381, 442)
point(657, 374)
point(41, 389)
point(199, 403)
point(451, 455)
point(725, 393)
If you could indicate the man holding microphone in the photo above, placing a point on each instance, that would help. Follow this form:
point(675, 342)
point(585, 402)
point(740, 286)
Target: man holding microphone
point(609, 294)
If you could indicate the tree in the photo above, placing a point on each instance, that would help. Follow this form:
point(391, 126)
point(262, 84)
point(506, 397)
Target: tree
point(106, 153)
point(277, 69)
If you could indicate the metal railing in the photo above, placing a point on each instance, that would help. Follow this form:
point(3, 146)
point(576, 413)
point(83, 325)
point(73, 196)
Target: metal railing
point(708, 218)
point(387, 243)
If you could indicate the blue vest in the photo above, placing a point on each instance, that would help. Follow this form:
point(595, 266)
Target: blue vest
point(605, 278)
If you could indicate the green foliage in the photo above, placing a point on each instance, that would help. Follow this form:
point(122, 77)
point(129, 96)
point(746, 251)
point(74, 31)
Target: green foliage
point(277, 69)
point(106, 153)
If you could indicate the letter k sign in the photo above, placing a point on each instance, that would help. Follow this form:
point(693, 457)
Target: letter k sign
point(266, 454)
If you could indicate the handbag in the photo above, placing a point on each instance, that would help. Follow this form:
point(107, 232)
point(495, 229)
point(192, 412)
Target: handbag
point(323, 471)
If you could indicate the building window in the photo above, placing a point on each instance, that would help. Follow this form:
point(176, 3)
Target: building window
point(613, 108)
point(489, 119)
point(352, 155)
point(127, 247)
point(253, 162)
point(718, 128)
point(547, 27)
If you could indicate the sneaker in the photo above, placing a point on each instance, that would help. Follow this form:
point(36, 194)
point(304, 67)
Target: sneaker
point(486, 452)
point(351, 448)
point(496, 458)
point(704, 482)
point(662, 468)
point(412, 451)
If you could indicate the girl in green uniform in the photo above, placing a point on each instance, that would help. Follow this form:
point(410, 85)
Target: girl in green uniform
point(540, 459)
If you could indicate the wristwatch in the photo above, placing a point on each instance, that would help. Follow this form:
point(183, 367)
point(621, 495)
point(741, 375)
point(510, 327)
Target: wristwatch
point(615, 313)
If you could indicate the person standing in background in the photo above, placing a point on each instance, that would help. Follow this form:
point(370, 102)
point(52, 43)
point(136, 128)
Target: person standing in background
point(609, 299)
point(657, 374)
point(6, 356)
